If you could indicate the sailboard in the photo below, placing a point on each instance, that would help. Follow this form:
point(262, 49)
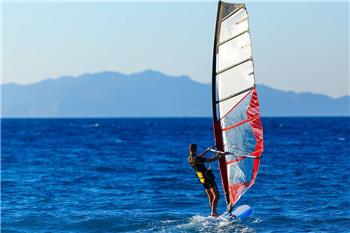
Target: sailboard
point(240, 213)
point(236, 111)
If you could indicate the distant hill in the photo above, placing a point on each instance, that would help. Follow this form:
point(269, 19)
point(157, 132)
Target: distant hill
point(147, 94)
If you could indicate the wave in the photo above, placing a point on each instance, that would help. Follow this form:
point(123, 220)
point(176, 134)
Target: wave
point(200, 223)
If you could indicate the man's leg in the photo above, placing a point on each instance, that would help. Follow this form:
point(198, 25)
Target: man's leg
point(210, 197)
point(214, 204)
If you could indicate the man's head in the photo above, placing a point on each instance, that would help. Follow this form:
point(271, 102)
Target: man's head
point(192, 148)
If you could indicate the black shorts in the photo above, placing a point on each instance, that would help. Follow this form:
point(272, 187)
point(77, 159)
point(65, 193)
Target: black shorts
point(209, 181)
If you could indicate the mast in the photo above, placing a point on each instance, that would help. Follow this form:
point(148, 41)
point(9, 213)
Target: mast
point(216, 123)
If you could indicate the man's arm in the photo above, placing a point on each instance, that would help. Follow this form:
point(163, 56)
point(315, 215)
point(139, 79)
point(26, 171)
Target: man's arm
point(204, 152)
point(217, 156)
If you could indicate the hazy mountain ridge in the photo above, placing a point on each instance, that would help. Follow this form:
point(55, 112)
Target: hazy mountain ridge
point(147, 94)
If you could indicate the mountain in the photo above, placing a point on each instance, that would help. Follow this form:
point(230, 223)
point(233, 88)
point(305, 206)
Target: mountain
point(147, 94)
point(280, 103)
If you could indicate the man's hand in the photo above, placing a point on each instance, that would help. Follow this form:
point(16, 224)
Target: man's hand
point(222, 154)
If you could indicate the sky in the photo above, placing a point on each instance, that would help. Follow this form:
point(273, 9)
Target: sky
point(303, 47)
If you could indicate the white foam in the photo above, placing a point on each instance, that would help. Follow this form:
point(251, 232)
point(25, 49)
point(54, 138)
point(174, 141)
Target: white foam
point(200, 223)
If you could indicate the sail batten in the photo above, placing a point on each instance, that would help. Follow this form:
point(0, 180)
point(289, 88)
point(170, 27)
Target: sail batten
point(233, 37)
point(236, 110)
point(234, 65)
point(239, 7)
point(235, 94)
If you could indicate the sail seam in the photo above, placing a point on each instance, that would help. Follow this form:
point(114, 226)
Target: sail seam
point(234, 37)
point(240, 158)
point(242, 20)
point(238, 93)
point(235, 160)
point(233, 66)
point(240, 123)
point(232, 13)
point(235, 106)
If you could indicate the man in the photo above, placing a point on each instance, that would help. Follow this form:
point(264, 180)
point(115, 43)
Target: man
point(206, 177)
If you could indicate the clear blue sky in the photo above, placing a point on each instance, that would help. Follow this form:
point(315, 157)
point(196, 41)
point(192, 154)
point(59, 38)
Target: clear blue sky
point(296, 46)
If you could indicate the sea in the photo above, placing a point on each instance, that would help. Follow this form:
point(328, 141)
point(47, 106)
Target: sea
point(132, 175)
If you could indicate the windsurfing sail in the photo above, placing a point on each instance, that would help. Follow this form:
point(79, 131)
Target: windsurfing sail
point(237, 125)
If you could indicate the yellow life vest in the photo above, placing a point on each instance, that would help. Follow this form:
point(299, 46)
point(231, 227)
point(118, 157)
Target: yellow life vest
point(201, 177)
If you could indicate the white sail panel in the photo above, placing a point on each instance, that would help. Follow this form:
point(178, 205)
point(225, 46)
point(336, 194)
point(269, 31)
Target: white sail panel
point(235, 80)
point(239, 114)
point(234, 51)
point(234, 25)
point(228, 105)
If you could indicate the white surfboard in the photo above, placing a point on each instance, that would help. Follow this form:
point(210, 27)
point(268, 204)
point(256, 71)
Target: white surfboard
point(243, 211)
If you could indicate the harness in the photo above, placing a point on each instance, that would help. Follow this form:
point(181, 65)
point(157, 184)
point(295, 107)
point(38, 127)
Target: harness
point(201, 177)
point(202, 172)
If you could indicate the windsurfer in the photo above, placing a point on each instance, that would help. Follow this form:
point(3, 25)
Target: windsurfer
point(206, 176)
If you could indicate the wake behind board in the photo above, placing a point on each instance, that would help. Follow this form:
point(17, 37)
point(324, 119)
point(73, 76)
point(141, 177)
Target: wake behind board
point(241, 212)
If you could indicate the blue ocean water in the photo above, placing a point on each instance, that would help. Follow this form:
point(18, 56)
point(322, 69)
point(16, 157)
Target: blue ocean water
point(131, 175)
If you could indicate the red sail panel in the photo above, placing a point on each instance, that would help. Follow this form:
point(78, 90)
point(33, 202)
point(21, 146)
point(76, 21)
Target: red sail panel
point(242, 172)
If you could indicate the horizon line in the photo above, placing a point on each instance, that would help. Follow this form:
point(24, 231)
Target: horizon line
point(155, 117)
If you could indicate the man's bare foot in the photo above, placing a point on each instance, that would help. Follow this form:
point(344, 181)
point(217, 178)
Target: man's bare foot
point(215, 215)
